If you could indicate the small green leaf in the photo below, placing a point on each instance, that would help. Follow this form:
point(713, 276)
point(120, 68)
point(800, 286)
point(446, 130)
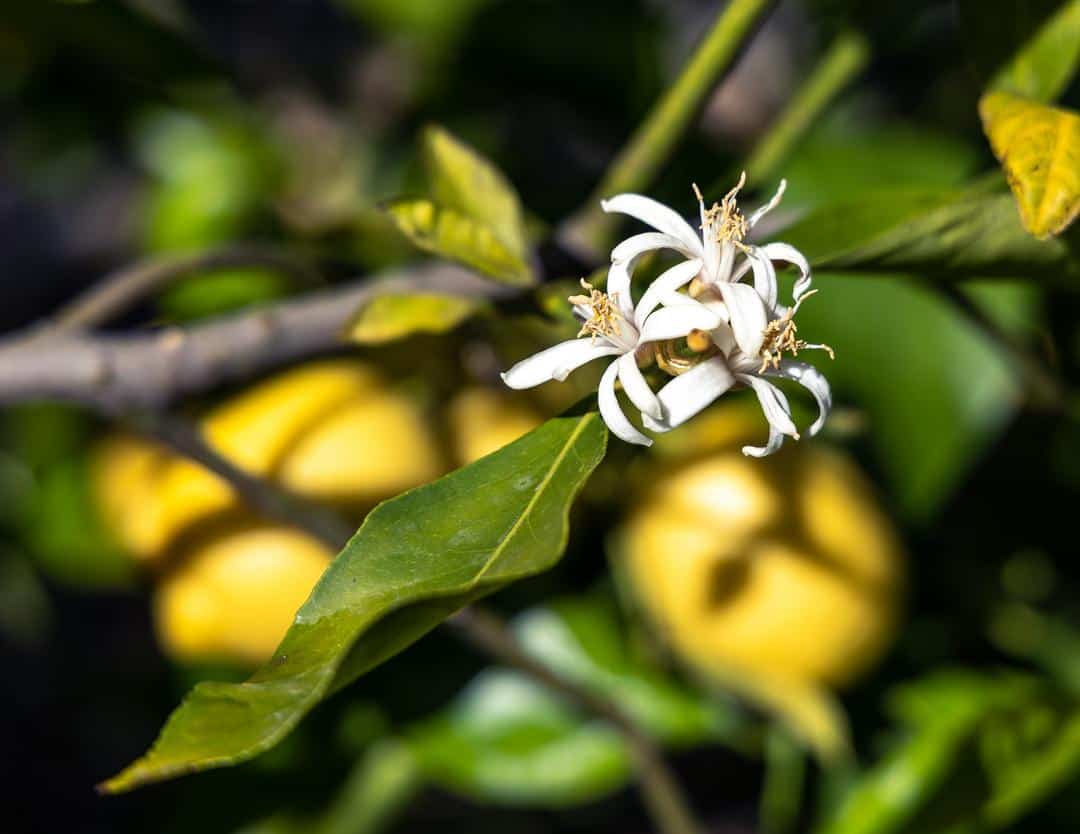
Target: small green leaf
point(453, 234)
point(464, 181)
point(415, 560)
point(1039, 148)
point(397, 315)
point(942, 234)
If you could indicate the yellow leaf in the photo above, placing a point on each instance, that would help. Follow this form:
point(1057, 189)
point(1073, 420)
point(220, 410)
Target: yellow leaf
point(448, 232)
point(392, 316)
point(1039, 148)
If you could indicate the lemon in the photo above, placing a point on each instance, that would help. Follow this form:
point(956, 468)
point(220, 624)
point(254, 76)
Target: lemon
point(482, 420)
point(780, 569)
point(236, 594)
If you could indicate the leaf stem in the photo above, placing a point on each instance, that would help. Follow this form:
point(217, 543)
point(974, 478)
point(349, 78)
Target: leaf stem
point(636, 165)
point(846, 57)
point(664, 798)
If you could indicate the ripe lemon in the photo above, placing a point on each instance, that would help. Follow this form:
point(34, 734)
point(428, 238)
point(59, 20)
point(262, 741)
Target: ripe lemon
point(482, 420)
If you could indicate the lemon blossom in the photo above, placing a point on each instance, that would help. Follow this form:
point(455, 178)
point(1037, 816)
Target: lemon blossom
point(614, 326)
point(776, 335)
point(721, 247)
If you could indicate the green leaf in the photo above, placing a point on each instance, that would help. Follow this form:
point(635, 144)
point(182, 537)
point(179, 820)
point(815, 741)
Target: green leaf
point(943, 234)
point(935, 390)
point(415, 560)
point(1039, 148)
point(1026, 47)
point(397, 315)
point(508, 739)
point(472, 214)
point(451, 234)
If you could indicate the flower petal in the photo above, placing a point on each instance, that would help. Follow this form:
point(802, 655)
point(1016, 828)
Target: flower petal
point(556, 362)
point(667, 282)
point(612, 412)
point(657, 215)
point(773, 403)
point(747, 314)
point(769, 206)
point(689, 393)
point(677, 322)
point(813, 381)
point(764, 275)
point(789, 254)
point(636, 388)
point(776, 440)
point(637, 245)
point(618, 287)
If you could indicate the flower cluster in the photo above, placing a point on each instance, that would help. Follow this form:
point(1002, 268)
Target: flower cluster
point(698, 322)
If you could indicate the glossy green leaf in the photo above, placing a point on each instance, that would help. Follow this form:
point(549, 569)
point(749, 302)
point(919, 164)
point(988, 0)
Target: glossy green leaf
point(1039, 148)
point(941, 234)
point(508, 739)
point(392, 316)
point(452, 234)
point(1026, 47)
point(935, 390)
point(415, 560)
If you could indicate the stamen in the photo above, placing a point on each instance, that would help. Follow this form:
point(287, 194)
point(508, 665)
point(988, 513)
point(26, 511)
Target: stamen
point(724, 220)
point(781, 337)
point(604, 318)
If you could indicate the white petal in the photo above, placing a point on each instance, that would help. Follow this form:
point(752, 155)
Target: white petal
point(789, 254)
point(556, 362)
point(612, 413)
point(776, 440)
point(636, 388)
point(747, 314)
point(813, 381)
point(764, 276)
point(618, 287)
point(657, 215)
point(689, 393)
point(677, 321)
point(769, 206)
point(638, 245)
point(667, 282)
point(773, 403)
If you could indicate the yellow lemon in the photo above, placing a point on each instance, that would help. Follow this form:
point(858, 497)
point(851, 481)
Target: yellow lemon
point(236, 593)
point(782, 568)
point(482, 420)
point(123, 469)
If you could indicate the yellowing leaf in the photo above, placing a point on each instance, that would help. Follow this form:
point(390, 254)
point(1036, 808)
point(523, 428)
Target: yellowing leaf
point(448, 232)
point(463, 180)
point(1039, 148)
point(395, 316)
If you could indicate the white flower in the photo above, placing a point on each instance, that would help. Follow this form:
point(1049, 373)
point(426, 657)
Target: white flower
point(613, 326)
point(689, 393)
point(726, 257)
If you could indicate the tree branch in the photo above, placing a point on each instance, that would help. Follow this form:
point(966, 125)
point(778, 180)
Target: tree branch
point(663, 797)
point(148, 371)
point(123, 288)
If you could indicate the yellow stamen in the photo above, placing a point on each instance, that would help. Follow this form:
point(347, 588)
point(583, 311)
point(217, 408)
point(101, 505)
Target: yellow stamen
point(781, 337)
point(605, 316)
point(724, 218)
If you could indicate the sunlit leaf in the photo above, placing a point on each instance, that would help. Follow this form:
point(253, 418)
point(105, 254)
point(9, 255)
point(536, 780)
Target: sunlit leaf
point(943, 234)
point(1039, 148)
point(452, 234)
point(394, 316)
point(1027, 47)
point(416, 559)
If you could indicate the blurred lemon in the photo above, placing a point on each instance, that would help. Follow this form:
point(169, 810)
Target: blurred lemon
point(329, 431)
point(782, 569)
point(482, 420)
point(236, 594)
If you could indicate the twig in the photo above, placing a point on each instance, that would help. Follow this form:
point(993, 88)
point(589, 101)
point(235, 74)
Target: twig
point(842, 62)
point(118, 291)
point(634, 168)
point(1043, 387)
point(664, 798)
point(266, 498)
point(120, 374)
